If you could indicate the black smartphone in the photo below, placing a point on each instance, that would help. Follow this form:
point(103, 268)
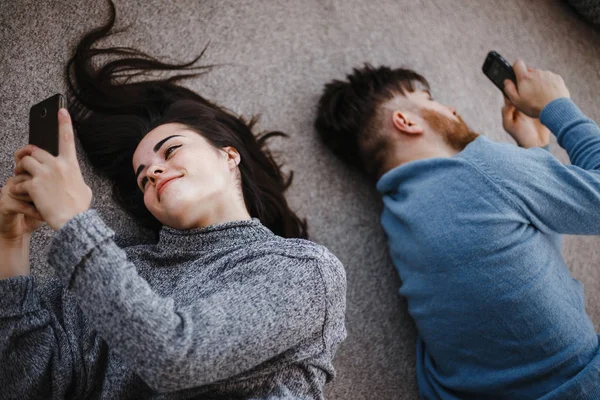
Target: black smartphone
point(498, 70)
point(43, 123)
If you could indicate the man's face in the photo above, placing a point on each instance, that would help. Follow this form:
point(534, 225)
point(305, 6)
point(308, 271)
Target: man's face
point(441, 120)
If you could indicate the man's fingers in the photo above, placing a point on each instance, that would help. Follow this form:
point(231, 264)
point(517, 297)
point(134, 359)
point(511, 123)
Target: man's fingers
point(508, 113)
point(66, 142)
point(520, 69)
point(511, 91)
point(508, 109)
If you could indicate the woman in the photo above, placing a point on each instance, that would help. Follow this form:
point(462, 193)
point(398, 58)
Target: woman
point(220, 307)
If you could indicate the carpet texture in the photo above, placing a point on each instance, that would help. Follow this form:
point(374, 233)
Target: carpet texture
point(276, 56)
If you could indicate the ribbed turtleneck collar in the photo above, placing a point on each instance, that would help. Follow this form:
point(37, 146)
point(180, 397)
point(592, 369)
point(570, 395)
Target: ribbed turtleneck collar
point(220, 235)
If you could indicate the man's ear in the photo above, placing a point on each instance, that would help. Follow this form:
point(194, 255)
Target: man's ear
point(403, 124)
point(233, 156)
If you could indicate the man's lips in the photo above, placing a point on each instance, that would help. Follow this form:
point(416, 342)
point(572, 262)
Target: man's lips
point(164, 185)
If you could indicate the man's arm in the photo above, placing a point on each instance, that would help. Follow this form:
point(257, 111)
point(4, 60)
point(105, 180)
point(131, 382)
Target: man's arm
point(551, 196)
point(555, 197)
point(576, 133)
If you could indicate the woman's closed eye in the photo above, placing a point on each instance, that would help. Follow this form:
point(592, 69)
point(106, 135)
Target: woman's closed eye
point(168, 152)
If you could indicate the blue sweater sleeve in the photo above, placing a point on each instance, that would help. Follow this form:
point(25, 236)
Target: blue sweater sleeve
point(577, 134)
point(554, 197)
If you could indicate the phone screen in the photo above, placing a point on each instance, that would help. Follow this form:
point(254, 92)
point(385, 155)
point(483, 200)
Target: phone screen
point(43, 123)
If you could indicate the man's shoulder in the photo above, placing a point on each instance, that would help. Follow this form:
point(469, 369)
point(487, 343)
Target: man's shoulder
point(501, 161)
point(439, 173)
point(475, 178)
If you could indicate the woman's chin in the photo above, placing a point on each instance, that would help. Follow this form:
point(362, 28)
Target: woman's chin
point(176, 212)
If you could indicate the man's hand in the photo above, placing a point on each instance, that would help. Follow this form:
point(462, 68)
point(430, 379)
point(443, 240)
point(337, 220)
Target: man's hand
point(527, 131)
point(536, 88)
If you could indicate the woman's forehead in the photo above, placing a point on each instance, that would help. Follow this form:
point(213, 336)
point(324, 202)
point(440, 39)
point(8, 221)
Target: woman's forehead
point(157, 135)
point(162, 131)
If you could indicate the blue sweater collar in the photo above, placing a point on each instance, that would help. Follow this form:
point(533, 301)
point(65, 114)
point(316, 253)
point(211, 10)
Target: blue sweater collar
point(389, 181)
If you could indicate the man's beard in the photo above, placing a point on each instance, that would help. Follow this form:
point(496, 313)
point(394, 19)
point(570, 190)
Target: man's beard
point(456, 133)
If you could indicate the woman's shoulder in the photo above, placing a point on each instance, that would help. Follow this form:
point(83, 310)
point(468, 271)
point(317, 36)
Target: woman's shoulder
point(301, 251)
point(293, 247)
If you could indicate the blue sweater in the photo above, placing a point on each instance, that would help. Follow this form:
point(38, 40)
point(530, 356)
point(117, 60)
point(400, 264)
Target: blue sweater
point(476, 241)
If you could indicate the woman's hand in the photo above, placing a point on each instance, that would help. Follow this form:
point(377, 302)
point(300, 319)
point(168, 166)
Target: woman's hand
point(527, 131)
point(18, 217)
point(55, 184)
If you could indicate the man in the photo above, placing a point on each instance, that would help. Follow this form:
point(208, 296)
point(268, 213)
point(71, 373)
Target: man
point(474, 229)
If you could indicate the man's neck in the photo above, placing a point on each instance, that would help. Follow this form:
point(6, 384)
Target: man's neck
point(406, 155)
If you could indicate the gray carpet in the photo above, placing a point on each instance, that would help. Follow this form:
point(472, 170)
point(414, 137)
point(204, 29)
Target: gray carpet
point(279, 54)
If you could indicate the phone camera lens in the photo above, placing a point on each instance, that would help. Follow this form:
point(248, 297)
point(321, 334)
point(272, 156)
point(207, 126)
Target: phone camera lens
point(43, 112)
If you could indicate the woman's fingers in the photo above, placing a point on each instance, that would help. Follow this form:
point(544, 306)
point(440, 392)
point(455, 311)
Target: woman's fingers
point(23, 152)
point(16, 189)
point(27, 209)
point(11, 205)
point(22, 197)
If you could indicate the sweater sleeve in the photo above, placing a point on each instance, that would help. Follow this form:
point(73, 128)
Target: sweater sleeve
point(261, 311)
point(36, 360)
point(577, 134)
point(554, 197)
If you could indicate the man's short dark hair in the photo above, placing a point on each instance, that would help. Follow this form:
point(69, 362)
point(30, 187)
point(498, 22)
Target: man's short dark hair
point(347, 113)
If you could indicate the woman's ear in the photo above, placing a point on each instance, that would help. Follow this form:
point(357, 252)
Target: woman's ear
point(403, 124)
point(233, 156)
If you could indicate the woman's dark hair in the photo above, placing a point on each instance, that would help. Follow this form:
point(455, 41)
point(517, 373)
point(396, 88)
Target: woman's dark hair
point(347, 113)
point(111, 118)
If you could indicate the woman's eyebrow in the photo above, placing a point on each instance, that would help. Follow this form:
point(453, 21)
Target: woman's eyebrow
point(156, 148)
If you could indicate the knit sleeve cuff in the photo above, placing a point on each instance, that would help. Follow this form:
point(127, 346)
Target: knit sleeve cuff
point(18, 296)
point(559, 113)
point(74, 241)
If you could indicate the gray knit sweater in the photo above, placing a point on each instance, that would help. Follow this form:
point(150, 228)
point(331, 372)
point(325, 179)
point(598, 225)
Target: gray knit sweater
point(230, 311)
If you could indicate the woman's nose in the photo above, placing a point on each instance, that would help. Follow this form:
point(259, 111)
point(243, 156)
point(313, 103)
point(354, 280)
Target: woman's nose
point(156, 171)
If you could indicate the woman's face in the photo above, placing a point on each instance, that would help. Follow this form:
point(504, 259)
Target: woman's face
point(186, 182)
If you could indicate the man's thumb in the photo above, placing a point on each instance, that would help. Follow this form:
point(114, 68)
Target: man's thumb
point(511, 91)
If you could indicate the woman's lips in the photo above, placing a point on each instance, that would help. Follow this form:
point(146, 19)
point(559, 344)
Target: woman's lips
point(164, 186)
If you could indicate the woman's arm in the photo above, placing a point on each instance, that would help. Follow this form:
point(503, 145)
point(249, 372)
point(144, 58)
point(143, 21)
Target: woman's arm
point(254, 313)
point(36, 360)
point(15, 254)
point(35, 357)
